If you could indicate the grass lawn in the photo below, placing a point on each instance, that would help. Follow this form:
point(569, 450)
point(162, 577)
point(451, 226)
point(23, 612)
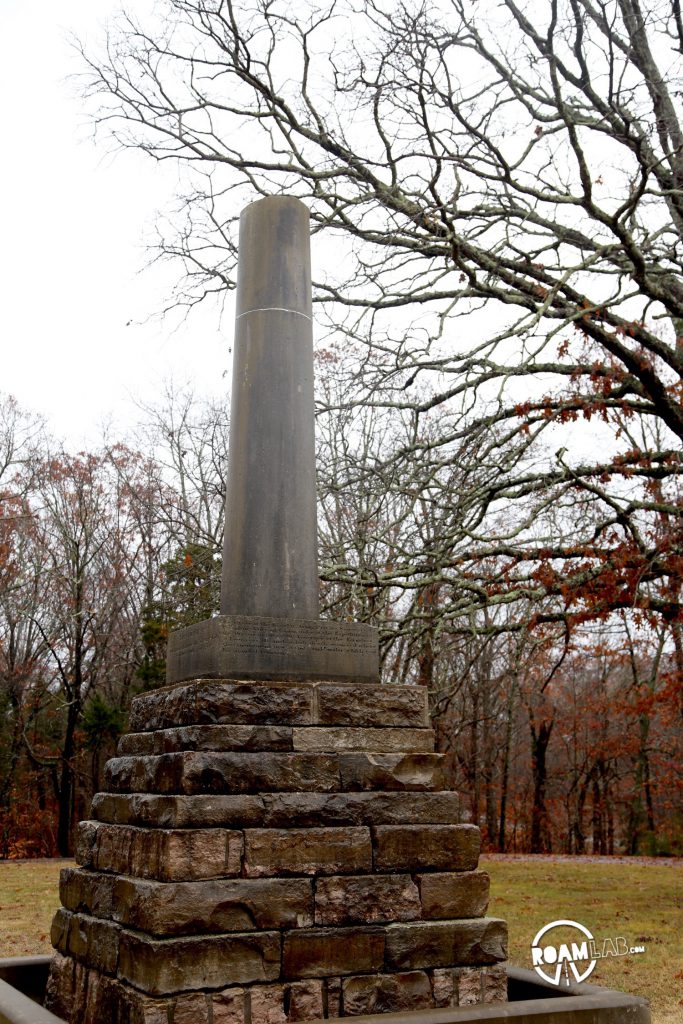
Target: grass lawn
point(641, 901)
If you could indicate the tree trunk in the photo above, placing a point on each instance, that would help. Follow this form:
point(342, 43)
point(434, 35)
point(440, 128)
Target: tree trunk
point(540, 834)
point(67, 785)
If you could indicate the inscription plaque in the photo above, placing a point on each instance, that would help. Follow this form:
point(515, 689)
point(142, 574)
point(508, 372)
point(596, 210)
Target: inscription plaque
point(260, 647)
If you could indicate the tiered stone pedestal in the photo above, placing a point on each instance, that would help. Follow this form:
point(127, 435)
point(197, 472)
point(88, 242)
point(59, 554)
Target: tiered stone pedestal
point(272, 852)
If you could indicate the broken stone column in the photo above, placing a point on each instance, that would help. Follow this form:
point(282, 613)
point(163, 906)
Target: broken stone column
point(273, 849)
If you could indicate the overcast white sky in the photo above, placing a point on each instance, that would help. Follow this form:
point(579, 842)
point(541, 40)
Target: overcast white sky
point(74, 220)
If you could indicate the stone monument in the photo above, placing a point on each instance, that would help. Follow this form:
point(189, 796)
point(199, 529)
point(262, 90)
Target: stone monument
point(275, 843)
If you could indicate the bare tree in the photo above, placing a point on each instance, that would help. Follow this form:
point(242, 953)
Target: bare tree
point(504, 190)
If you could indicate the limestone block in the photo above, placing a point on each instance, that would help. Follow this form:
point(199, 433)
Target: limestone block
point(349, 738)
point(267, 1004)
point(317, 952)
point(192, 908)
point(454, 894)
point(200, 811)
point(372, 706)
point(149, 710)
point(282, 810)
point(494, 984)
point(193, 1008)
point(444, 988)
point(386, 993)
point(228, 1006)
point(306, 851)
point(217, 701)
point(260, 772)
point(84, 844)
point(89, 940)
point(87, 891)
point(306, 1000)
point(166, 855)
point(417, 772)
point(275, 810)
point(366, 899)
point(224, 772)
point(426, 847)
point(163, 966)
point(60, 985)
point(208, 737)
point(446, 943)
point(333, 991)
point(468, 980)
point(136, 743)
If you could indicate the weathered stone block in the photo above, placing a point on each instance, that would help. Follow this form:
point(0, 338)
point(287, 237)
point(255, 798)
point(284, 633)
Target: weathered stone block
point(306, 1000)
point(417, 772)
point(468, 981)
point(192, 1008)
point(86, 891)
point(444, 987)
point(90, 941)
point(386, 993)
point(371, 706)
point(167, 855)
point(426, 847)
point(283, 810)
point(454, 895)
point(206, 737)
point(314, 851)
point(218, 772)
point(318, 952)
point(162, 708)
point(333, 997)
point(86, 836)
point(200, 811)
point(494, 984)
point(229, 701)
point(267, 1004)
point(262, 772)
point(228, 1006)
point(366, 899)
point(221, 737)
point(145, 774)
point(465, 986)
point(135, 743)
point(275, 810)
point(375, 740)
point(60, 985)
point(192, 908)
point(163, 966)
point(443, 944)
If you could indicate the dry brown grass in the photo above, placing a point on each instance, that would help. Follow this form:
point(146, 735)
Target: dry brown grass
point(641, 901)
point(29, 898)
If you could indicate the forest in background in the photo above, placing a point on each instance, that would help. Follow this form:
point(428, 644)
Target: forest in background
point(561, 726)
point(496, 202)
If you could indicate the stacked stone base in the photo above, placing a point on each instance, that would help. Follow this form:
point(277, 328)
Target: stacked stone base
point(273, 852)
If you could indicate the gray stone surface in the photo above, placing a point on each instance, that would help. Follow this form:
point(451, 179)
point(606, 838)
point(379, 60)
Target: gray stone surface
point(275, 810)
point(265, 647)
point(187, 908)
point(270, 550)
point(422, 944)
point(349, 738)
point(306, 851)
point(366, 899)
point(296, 703)
point(161, 966)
